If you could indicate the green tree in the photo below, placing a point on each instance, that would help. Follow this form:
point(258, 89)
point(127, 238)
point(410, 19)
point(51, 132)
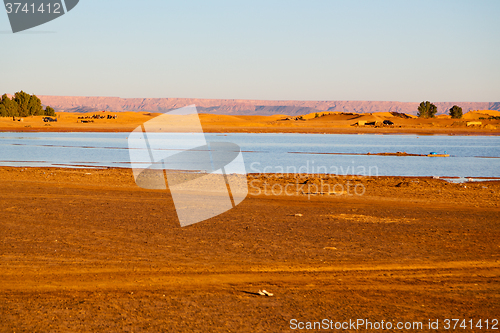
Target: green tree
point(427, 110)
point(22, 99)
point(456, 112)
point(23, 105)
point(35, 107)
point(49, 111)
point(11, 107)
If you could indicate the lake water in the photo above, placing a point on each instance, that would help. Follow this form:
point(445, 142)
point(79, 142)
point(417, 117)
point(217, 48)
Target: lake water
point(471, 156)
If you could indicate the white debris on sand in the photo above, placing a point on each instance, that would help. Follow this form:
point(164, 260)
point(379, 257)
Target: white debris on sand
point(265, 293)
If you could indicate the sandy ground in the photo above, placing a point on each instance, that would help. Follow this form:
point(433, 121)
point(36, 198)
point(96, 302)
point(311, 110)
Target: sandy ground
point(87, 250)
point(330, 123)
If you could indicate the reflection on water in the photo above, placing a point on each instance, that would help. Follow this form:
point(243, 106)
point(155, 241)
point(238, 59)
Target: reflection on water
point(470, 156)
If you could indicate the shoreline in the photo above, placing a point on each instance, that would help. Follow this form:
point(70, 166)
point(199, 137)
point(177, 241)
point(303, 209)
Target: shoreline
point(406, 131)
point(55, 172)
point(269, 175)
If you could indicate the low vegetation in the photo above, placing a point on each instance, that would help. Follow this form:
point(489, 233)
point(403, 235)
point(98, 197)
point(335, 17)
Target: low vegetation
point(427, 110)
point(456, 112)
point(23, 105)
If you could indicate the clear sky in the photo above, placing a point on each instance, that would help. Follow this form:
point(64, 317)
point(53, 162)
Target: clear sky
point(437, 50)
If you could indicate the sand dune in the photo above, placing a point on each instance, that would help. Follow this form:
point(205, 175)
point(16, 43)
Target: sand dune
point(481, 114)
point(335, 122)
point(370, 118)
point(383, 114)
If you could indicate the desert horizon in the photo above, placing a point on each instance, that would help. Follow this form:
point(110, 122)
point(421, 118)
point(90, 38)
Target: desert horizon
point(480, 122)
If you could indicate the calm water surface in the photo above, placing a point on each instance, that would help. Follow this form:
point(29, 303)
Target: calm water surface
point(471, 156)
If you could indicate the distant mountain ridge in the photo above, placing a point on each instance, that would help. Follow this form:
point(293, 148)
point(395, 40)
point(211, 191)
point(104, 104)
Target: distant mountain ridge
point(246, 107)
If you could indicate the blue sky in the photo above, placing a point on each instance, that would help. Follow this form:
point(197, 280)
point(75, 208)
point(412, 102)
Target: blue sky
point(303, 50)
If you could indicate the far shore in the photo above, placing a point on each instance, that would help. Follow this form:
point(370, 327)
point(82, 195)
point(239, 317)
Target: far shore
point(475, 123)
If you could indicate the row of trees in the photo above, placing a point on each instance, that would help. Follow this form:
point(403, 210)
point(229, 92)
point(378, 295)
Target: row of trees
point(429, 110)
point(23, 105)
